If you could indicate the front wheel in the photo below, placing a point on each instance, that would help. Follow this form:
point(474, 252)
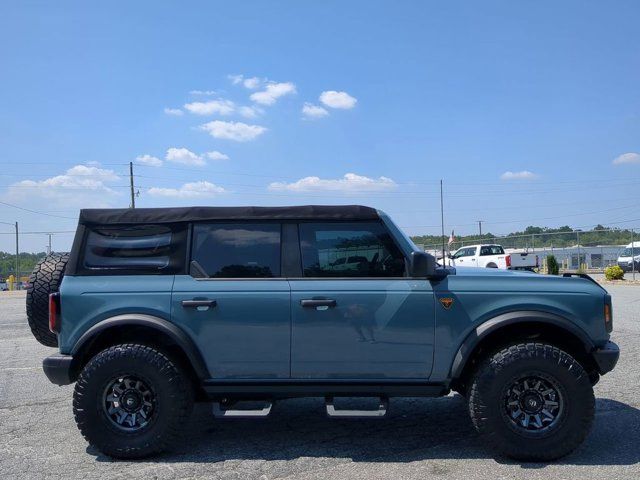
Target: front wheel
point(532, 402)
point(131, 401)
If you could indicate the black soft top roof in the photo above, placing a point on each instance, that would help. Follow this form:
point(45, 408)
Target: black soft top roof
point(110, 216)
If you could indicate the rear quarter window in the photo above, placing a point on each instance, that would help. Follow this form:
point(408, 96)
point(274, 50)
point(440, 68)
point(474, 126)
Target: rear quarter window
point(135, 249)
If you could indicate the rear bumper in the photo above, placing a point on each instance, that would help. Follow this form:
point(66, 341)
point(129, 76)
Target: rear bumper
point(606, 357)
point(58, 369)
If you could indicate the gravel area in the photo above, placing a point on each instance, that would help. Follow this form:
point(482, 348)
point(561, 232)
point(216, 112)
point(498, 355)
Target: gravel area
point(421, 438)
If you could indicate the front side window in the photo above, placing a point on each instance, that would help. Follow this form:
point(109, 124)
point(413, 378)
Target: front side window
point(143, 248)
point(236, 250)
point(628, 252)
point(465, 252)
point(349, 250)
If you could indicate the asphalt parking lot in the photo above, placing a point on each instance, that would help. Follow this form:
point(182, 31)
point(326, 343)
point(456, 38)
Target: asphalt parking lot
point(421, 438)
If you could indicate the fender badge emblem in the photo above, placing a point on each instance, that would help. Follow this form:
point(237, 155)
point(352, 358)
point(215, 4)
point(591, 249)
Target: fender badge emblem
point(446, 302)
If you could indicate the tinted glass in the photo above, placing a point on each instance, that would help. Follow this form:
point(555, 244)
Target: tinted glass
point(491, 250)
point(349, 250)
point(465, 252)
point(141, 247)
point(237, 250)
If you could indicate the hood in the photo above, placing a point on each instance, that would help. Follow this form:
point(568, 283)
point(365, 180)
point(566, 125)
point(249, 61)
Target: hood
point(490, 272)
point(570, 281)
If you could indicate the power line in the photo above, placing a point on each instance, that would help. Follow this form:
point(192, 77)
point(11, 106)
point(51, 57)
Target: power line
point(36, 212)
point(45, 232)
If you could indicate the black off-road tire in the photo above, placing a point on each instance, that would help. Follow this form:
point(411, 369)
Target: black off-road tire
point(173, 401)
point(488, 404)
point(45, 279)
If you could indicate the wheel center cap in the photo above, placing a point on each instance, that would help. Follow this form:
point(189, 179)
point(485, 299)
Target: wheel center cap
point(532, 403)
point(130, 401)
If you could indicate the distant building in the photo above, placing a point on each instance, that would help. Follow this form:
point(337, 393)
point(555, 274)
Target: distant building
point(598, 257)
point(572, 258)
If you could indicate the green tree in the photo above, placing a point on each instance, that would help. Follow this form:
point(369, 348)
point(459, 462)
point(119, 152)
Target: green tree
point(552, 265)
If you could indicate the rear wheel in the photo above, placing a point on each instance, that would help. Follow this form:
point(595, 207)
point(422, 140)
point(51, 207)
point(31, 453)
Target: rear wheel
point(131, 401)
point(45, 279)
point(532, 401)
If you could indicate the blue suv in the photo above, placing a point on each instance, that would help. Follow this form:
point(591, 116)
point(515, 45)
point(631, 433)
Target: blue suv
point(154, 309)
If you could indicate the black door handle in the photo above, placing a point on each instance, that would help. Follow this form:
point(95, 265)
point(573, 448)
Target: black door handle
point(313, 303)
point(198, 303)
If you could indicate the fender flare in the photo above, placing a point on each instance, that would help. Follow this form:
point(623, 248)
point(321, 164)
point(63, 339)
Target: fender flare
point(177, 334)
point(475, 337)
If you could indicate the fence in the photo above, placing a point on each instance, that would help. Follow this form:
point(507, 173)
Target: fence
point(590, 251)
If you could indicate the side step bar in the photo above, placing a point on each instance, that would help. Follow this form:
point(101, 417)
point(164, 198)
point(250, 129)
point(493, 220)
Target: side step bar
point(219, 411)
point(333, 412)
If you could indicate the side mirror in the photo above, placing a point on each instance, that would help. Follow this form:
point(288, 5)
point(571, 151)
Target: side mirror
point(422, 265)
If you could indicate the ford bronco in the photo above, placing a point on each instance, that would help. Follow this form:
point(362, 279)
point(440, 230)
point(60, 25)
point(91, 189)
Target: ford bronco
point(154, 309)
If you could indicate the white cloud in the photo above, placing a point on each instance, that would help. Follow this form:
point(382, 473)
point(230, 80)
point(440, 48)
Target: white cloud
point(184, 156)
point(215, 155)
point(174, 111)
point(627, 158)
point(272, 92)
point(81, 186)
point(310, 110)
point(203, 92)
point(189, 190)
point(349, 183)
point(250, 112)
point(149, 160)
point(237, 131)
point(220, 106)
point(523, 175)
point(341, 100)
point(251, 82)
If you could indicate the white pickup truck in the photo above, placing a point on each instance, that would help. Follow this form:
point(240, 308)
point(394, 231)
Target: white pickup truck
point(493, 256)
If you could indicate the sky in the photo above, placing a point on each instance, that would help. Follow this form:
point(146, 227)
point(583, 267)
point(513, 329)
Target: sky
point(528, 111)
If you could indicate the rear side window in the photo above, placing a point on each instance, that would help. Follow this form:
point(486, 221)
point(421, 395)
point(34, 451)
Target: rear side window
point(132, 249)
point(236, 250)
point(363, 249)
point(491, 250)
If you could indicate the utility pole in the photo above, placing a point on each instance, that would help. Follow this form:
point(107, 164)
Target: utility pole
point(17, 266)
point(49, 246)
point(633, 258)
point(17, 256)
point(480, 226)
point(442, 223)
point(579, 250)
point(133, 194)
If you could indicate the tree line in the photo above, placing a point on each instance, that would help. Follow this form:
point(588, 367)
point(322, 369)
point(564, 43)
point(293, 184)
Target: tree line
point(532, 236)
point(27, 261)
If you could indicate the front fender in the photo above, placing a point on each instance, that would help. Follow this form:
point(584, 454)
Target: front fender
point(475, 337)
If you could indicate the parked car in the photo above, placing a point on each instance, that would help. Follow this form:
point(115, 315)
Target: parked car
point(493, 256)
point(629, 258)
point(156, 308)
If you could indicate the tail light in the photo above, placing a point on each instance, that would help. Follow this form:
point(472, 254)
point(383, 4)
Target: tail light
point(608, 314)
point(54, 312)
point(508, 260)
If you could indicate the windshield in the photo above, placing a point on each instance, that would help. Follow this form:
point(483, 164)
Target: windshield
point(626, 252)
point(398, 231)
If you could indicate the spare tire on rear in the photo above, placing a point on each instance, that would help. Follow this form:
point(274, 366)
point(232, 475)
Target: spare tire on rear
point(45, 279)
